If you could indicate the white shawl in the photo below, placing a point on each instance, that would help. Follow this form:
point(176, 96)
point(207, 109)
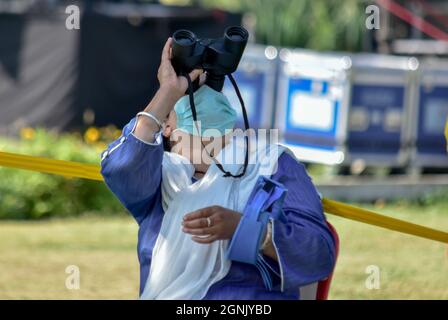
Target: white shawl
point(182, 268)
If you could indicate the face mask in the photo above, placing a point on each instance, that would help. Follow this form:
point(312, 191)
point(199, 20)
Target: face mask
point(214, 113)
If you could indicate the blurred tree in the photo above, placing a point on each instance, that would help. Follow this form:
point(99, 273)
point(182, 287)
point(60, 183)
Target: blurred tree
point(313, 24)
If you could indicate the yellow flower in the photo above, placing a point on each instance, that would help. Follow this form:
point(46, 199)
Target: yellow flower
point(91, 135)
point(27, 133)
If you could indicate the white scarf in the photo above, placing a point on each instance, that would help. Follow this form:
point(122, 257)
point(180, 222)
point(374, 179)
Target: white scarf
point(182, 268)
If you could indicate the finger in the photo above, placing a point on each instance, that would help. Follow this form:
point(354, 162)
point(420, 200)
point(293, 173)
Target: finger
point(201, 213)
point(196, 223)
point(206, 240)
point(201, 231)
point(195, 73)
point(202, 78)
point(166, 50)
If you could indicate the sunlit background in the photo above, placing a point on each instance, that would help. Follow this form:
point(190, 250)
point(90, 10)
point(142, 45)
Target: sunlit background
point(358, 90)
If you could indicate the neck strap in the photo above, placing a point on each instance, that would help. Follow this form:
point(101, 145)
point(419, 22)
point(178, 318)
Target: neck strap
point(246, 125)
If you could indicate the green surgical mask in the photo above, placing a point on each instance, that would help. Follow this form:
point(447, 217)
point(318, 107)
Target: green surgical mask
point(214, 113)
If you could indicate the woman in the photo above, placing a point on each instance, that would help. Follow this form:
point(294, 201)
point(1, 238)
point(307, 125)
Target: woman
point(187, 211)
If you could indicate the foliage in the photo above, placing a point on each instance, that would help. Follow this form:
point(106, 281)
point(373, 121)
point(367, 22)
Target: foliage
point(29, 195)
point(314, 24)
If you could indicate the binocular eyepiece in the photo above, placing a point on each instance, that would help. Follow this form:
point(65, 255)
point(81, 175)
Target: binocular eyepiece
point(216, 56)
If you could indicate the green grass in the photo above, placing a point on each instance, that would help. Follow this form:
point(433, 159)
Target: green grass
point(34, 256)
point(410, 267)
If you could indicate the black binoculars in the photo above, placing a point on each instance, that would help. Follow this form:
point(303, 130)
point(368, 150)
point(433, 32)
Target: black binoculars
point(218, 57)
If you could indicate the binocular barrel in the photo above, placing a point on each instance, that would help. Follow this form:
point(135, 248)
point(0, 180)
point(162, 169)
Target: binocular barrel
point(183, 43)
point(235, 39)
point(183, 47)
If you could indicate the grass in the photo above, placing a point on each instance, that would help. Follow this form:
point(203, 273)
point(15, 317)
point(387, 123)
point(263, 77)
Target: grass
point(34, 256)
point(410, 267)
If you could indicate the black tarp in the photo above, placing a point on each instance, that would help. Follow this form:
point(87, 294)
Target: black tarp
point(38, 63)
point(49, 76)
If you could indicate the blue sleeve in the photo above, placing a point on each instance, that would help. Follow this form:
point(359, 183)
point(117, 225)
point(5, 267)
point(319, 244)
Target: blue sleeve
point(304, 244)
point(132, 170)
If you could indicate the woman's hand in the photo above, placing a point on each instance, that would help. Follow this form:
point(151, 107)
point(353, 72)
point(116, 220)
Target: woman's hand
point(172, 88)
point(168, 79)
point(215, 222)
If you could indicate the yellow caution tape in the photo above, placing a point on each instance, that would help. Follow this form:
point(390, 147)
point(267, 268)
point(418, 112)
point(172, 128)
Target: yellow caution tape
point(60, 167)
point(91, 171)
point(376, 219)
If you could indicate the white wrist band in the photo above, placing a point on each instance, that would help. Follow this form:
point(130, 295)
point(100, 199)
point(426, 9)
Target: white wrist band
point(153, 117)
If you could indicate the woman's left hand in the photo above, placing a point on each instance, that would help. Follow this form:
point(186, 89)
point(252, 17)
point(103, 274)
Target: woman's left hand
point(215, 222)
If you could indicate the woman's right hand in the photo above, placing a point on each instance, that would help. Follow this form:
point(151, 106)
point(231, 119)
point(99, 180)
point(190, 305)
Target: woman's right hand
point(172, 88)
point(168, 79)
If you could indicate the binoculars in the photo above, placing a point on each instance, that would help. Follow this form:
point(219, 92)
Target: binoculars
point(218, 57)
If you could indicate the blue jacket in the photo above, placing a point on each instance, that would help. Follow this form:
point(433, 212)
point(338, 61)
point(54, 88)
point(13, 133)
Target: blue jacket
point(306, 251)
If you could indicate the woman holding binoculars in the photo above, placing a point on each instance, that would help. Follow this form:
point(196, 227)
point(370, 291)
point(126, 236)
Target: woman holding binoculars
point(188, 211)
